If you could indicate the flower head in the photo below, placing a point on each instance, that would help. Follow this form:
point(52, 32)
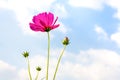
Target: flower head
point(44, 22)
point(65, 41)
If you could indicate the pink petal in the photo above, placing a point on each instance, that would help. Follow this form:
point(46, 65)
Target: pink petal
point(55, 20)
point(35, 27)
point(36, 20)
point(42, 23)
point(55, 26)
point(43, 18)
point(50, 18)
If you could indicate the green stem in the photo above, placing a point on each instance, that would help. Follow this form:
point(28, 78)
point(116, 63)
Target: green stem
point(29, 69)
point(37, 75)
point(59, 59)
point(48, 56)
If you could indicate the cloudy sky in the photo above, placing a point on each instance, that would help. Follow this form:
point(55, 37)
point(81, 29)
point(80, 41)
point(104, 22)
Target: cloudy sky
point(93, 27)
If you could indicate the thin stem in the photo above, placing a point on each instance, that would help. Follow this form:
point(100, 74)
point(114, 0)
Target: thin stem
point(37, 75)
point(29, 69)
point(48, 56)
point(59, 59)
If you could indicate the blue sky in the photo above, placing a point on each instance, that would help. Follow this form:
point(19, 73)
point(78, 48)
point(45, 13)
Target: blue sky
point(93, 27)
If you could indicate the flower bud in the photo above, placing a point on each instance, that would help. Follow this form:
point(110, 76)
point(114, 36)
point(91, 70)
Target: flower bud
point(65, 41)
point(38, 68)
point(25, 54)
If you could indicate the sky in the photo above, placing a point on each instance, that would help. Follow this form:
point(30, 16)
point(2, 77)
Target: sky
point(93, 27)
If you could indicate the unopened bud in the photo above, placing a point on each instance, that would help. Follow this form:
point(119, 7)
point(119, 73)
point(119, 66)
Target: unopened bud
point(65, 41)
point(25, 54)
point(38, 68)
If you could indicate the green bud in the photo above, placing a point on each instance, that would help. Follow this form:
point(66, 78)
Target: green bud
point(65, 41)
point(25, 54)
point(38, 68)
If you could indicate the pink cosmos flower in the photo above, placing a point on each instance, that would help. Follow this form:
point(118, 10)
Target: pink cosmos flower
point(44, 22)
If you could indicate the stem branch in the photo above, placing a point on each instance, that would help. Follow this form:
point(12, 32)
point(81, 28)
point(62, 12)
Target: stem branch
point(48, 56)
point(59, 59)
point(29, 73)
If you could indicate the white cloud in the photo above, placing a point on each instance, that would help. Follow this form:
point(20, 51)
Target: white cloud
point(10, 72)
point(22, 74)
point(6, 66)
point(63, 28)
point(92, 4)
point(115, 5)
point(60, 10)
point(93, 64)
point(101, 32)
point(3, 4)
point(97, 5)
point(7, 71)
point(116, 36)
